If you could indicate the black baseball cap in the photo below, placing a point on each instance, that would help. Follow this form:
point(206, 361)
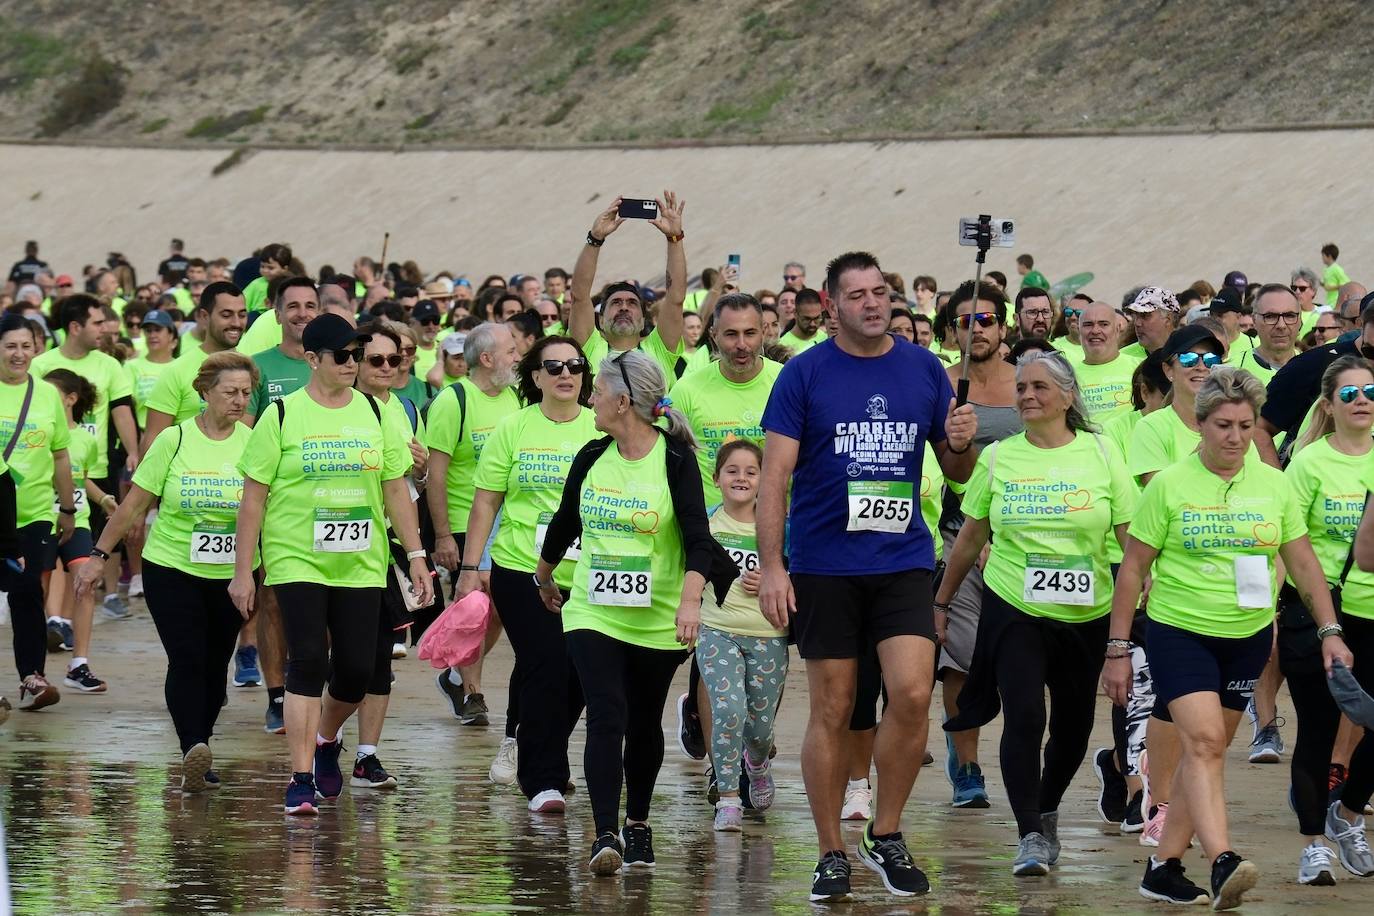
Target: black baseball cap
point(1181, 341)
point(1235, 279)
point(1227, 300)
point(425, 309)
point(330, 332)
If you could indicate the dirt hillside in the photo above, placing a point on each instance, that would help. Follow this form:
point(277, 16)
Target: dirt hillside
point(556, 72)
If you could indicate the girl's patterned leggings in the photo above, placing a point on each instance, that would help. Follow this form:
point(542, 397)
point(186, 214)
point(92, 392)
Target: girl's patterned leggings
point(743, 677)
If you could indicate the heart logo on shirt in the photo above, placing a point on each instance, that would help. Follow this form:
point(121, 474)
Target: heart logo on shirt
point(1267, 533)
point(238, 495)
point(35, 438)
point(371, 459)
point(1121, 396)
point(1078, 499)
point(645, 522)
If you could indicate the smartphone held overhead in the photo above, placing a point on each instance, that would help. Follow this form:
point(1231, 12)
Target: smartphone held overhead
point(636, 208)
point(732, 268)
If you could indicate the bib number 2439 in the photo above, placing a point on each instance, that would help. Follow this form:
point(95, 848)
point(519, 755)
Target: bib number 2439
point(880, 505)
point(343, 530)
point(620, 581)
point(1059, 580)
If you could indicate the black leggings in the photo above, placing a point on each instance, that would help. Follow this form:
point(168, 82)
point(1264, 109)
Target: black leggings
point(1318, 719)
point(1035, 653)
point(198, 625)
point(30, 624)
point(868, 686)
point(626, 687)
point(543, 682)
point(331, 634)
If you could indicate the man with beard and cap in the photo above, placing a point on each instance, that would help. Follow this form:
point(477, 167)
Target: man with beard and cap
point(1104, 373)
point(622, 306)
point(1153, 313)
point(1034, 313)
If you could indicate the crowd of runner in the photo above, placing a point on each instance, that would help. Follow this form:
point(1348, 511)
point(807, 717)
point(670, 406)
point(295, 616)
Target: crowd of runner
point(1156, 497)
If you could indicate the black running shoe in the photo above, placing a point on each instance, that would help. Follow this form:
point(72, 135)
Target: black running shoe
point(890, 858)
point(1232, 876)
point(830, 880)
point(1111, 800)
point(474, 710)
point(1167, 883)
point(607, 854)
point(1134, 821)
point(638, 841)
point(368, 773)
point(690, 739)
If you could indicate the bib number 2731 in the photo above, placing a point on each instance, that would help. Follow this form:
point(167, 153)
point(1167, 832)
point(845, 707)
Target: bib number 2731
point(620, 581)
point(343, 530)
point(880, 505)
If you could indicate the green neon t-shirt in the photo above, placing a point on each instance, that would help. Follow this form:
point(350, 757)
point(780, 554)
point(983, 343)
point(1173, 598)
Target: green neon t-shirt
point(1116, 431)
point(1052, 512)
point(1106, 388)
point(143, 375)
point(721, 411)
point(1333, 278)
point(424, 361)
point(932, 486)
point(263, 334)
point(1135, 351)
point(1205, 528)
point(31, 464)
point(172, 393)
point(698, 360)
point(598, 351)
point(1072, 352)
point(255, 295)
point(199, 487)
point(1330, 487)
point(526, 459)
point(481, 414)
point(628, 580)
point(278, 376)
point(739, 613)
point(1250, 362)
point(111, 383)
point(798, 346)
point(325, 521)
point(82, 453)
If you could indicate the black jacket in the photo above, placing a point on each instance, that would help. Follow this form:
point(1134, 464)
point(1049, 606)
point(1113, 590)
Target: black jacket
point(704, 555)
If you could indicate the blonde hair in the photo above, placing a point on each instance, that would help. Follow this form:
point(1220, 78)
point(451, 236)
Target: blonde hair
point(1322, 423)
point(216, 364)
point(1228, 385)
point(401, 330)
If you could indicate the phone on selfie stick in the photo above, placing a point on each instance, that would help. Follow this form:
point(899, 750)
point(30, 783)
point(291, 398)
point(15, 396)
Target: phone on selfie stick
point(981, 233)
point(733, 261)
point(635, 208)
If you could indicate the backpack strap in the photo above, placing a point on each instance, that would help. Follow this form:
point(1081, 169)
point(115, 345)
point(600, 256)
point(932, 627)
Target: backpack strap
point(411, 411)
point(371, 402)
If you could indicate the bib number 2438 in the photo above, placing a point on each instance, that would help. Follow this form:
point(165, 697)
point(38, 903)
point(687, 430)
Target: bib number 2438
point(880, 505)
point(343, 530)
point(620, 581)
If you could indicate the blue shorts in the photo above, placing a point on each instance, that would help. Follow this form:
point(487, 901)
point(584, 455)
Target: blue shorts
point(1184, 662)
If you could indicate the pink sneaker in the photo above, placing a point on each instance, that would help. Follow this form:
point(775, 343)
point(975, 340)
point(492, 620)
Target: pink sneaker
point(1154, 825)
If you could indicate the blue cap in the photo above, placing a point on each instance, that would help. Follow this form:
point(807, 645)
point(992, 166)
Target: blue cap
point(161, 319)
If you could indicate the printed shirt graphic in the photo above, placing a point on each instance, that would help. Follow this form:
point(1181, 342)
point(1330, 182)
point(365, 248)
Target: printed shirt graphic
point(143, 375)
point(481, 414)
point(527, 459)
point(31, 465)
point(325, 466)
point(173, 394)
point(1061, 503)
point(278, 376)
point(82, 453)
point(1106, 389)
point(629, 528)
point(200, 486)
point(721, 411)
point(111, 383)
point(865, 422)
point(1330, 488)
point(1200, 524)
point(739, 614)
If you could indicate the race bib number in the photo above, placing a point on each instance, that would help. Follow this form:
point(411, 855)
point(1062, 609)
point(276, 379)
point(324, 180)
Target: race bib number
point(1052, 579)
point(343, 530)
point(879, 505)
point(541, 531)
point(620, 581)
point(78, 500)
point(1253, 584)
point(743, 550)
point(88, 427)
point(213, 542)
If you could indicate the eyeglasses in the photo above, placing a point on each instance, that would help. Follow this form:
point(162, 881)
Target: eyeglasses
point(1348, 393)
point(1037, 313)
point(575, 366)
point(625, 377)
point(790, 277)
point(343, 356)
point(1072, 313)
point(1189, 360)
point(1273, 318)
point(984, 319)
point(377, 360)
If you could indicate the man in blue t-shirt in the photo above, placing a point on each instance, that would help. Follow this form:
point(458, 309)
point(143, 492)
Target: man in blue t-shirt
point(847, 423)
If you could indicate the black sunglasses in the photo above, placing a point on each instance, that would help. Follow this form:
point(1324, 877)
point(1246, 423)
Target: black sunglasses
point(427, 322)
point(625, 376)
point(343, 356)
point(575, 366)
point(377, 360)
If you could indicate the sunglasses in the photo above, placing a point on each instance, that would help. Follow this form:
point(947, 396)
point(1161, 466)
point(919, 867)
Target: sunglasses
point(984, 319)
point(1348, 393)
point(790, 277)
point(1189, 360)
point(1326, 327)
point(377, 360)
point(1072, 313)
point(429, 322)
point(575, 366)
point(344, 356)
point(1300, 288)
point(625, 377)
point(407, 351)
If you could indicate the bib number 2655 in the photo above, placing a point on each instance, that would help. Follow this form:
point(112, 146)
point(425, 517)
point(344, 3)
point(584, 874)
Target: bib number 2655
point(880, 505)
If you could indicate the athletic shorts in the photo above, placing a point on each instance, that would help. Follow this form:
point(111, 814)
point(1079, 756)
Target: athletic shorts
point(77, 548)
point(843, 616)
point(1183, 662)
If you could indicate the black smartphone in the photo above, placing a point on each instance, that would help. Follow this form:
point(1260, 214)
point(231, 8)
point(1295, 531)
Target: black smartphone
point(633, 208)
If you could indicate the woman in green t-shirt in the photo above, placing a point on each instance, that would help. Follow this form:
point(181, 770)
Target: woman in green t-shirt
point(1208, 530)
point(323, 476)
point(635, 501)
point(1049, 498)
point(189, 553)
point(1169, 434)
point(521, 474)
point(1330, 473)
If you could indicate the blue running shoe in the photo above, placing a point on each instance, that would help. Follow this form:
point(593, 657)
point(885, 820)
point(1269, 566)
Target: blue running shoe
point(328, 776)
point(300, 795)
point(969, 789)
point(274, 723)
point(246, 673)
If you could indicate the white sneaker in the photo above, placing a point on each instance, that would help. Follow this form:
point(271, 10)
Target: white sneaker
point(550, 801)
point(502, 770)
point(1317, 866)
point(136, 586)
point(858, 801)
point(398, 650)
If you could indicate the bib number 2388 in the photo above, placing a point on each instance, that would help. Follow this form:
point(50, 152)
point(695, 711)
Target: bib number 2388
point(213, 542)
point(620, 581)
point(343, 530)
point(880, 505)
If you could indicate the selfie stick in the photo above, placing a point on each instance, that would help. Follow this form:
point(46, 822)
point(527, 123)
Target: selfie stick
point(386, 240)
point(984, 243)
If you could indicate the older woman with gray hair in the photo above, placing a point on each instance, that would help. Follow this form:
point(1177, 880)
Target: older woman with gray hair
point(1052, 496)
point(1305, 286)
